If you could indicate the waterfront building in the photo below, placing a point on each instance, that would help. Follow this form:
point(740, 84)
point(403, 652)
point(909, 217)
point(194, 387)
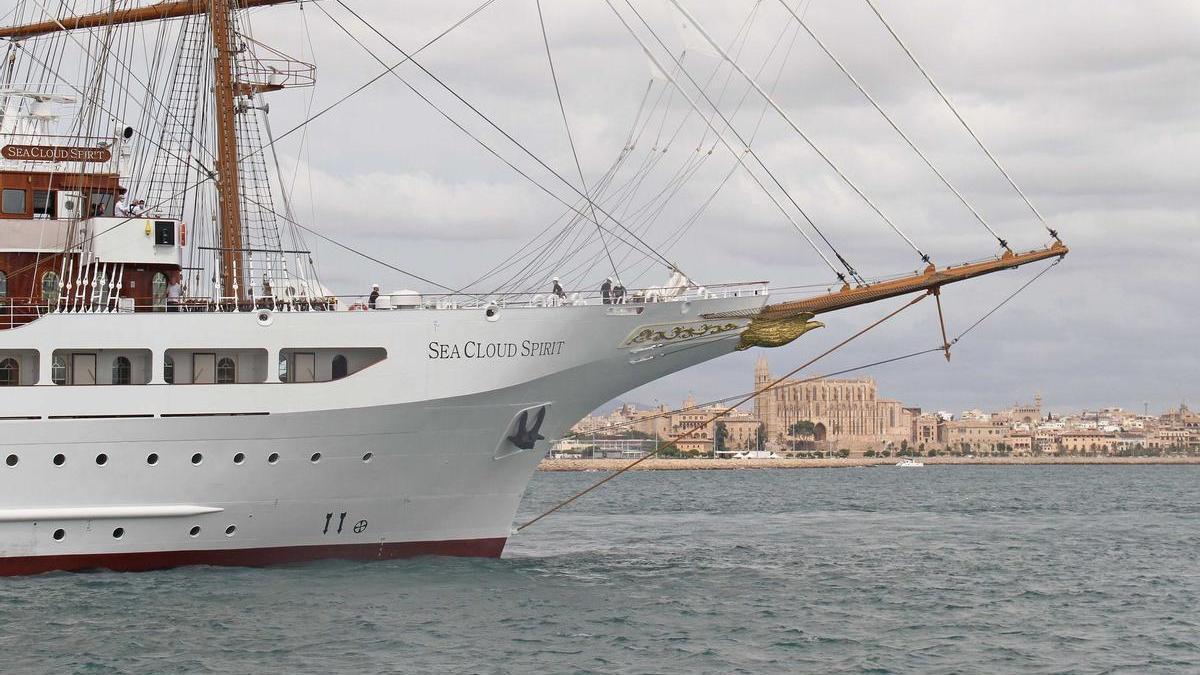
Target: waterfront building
point(977, 435)
point(844, 413)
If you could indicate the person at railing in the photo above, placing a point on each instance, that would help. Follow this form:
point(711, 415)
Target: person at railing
point(618, 293)
point(606, 291)
point(373, 297)
point(557, 289)
point(174, 293)
point(122, 208)
point(138, 208)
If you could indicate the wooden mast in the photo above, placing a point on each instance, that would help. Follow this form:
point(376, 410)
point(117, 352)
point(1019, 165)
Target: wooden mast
point(228, 196)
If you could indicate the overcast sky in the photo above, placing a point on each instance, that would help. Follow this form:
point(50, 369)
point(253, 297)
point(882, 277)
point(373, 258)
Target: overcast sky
point(1092, 106)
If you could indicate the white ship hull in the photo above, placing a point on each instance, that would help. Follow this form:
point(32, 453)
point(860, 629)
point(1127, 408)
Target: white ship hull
point(414, 451)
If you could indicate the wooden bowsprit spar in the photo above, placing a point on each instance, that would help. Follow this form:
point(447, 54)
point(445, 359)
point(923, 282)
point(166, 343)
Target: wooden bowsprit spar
point(778, 324)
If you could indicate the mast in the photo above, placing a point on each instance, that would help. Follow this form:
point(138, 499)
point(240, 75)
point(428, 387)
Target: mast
point(227, 149)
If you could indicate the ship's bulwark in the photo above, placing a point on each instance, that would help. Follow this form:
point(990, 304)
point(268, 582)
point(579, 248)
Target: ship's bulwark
point(405, 477)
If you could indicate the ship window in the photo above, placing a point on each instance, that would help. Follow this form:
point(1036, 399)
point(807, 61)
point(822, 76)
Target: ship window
point(10, 373)
point(43, 205)
point(50, 288)
point(283, 369)
point(101, 203)
point(3, 284)
point(339, 367)
point(226, 371)
point(13, 202)
point(158, 292)
point(122, 371)
point(169, 370)
point(59, 534)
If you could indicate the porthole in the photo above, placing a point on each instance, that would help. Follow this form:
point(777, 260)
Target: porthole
point(239, 458)
point(231, 530)
point(195, 531)
point(101, 459)
point(316, 457)
point(59, 534)
point(272, 458)
point(118, 533)
point(491, 312)
point(197, 458)
point(11, 460)
point(59, 459)
point(152, 458)
point(367, 457)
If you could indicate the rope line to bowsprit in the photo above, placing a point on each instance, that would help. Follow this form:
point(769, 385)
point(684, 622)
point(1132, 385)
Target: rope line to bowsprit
point(566, 502)
point(744, 399)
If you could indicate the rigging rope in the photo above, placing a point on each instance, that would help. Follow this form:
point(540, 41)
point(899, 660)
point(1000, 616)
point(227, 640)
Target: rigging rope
point(895, 127)
point(791, 123)
point(946, 100)
point(738, 155)
point(571, 140)
point(490, 123)
point(474, 137)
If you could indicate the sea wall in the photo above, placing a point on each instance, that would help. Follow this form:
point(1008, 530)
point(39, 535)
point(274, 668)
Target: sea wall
point(663, 464)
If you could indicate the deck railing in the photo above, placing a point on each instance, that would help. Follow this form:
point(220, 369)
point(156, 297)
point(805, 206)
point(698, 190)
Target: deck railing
point(16, 312)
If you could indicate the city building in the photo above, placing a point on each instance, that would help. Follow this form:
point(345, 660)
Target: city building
point(843, 413)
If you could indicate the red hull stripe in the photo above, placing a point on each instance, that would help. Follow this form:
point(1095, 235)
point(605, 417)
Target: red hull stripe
point(248, 557)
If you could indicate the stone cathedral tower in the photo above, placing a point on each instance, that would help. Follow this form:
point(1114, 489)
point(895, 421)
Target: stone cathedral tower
point(762, 402)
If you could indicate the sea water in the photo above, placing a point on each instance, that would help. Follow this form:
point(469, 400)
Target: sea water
point(1081, 569)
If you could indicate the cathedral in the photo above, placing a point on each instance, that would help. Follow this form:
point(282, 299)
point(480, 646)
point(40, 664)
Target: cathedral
point(845, 413)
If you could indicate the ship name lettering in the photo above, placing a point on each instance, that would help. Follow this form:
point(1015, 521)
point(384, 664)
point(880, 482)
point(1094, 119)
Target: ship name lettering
point(473, 349)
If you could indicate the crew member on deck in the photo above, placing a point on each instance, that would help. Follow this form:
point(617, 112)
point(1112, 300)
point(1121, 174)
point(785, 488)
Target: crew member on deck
point(618, 293)
point(374, 296)
point(138, 208)
point(557, 289)
point(174, 292)
point(122, 208)
point(606, 291)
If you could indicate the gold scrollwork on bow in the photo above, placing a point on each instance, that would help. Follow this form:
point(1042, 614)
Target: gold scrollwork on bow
point(650, 335)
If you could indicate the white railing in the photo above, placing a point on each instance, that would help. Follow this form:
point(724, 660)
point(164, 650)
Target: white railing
point(19, 311)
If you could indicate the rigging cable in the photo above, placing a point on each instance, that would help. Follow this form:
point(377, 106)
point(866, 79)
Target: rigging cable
point(473, 137)
point(489, 121)
point(895, 127)
point(788, 119)
point(571, 141)
point(946, 100)
point(739, 155)
point(678, 234)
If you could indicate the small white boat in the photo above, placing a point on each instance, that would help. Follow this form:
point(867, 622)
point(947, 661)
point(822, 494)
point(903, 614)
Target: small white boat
point(909, 461)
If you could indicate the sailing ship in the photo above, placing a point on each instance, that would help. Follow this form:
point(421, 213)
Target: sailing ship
point(177, 386)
